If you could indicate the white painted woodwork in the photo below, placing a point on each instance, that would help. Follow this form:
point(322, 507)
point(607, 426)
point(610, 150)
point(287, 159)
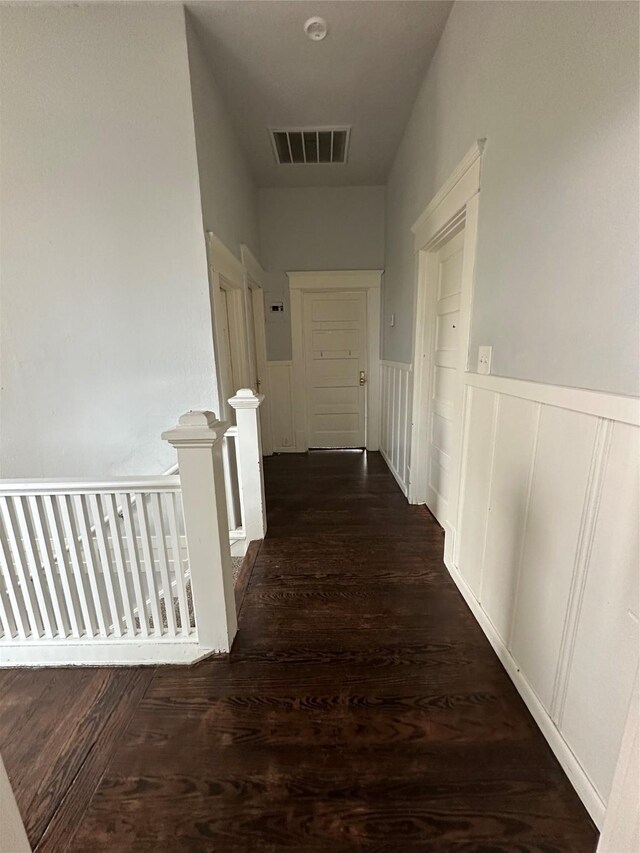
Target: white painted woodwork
point(335, 351)
point(249, 446)
point(546, 555)
point(333, 282)
point(445, 238)
point(84, 567)
point(280, 403)
point(475, 486)
point(228, 288)
point(395, 419)
point(255, 277)
point(13, 837)
point(198, 439)
point(621, 829)
point(561, 467)
point(515, 432)
point(99, 573)
point(608, 600)
point(443, 382)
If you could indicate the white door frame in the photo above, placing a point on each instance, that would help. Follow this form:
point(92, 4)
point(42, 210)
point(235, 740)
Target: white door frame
point(453, 208)
point(227, 273)
point(254, 281)
point(324, 281)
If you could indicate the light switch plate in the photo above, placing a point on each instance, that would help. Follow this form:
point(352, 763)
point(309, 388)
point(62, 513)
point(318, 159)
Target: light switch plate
point(393, 320)
point(484, 359)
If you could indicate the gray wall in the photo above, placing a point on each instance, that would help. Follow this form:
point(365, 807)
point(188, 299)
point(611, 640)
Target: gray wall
point(315, 228)
point(229, 196)
point(102, 261)
point(554, 88)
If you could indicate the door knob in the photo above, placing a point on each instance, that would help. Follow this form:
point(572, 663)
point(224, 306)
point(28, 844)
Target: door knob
point(363, 377)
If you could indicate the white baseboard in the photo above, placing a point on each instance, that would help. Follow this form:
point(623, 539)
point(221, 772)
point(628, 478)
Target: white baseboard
point(561, 749)
point(107, 653)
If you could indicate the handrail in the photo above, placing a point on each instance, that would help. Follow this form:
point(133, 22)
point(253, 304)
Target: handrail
point(72, 486)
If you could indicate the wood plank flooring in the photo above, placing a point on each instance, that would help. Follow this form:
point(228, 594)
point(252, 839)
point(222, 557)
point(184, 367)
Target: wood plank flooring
point(361, 707)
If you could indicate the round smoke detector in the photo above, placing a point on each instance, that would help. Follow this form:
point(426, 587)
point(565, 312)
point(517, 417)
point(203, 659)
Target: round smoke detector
point(315, 28)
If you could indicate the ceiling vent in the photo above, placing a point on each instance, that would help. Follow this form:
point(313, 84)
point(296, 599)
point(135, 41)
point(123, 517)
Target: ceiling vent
point(310, 146)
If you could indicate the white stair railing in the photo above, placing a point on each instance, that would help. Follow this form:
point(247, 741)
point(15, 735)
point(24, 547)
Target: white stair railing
point(74, 570)
point(131, 570)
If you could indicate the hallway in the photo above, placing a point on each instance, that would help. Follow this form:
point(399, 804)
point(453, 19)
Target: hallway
point(362, 707)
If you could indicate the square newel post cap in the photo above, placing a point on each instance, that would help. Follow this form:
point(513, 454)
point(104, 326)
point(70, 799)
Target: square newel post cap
point(245, 398)
point(196, 429)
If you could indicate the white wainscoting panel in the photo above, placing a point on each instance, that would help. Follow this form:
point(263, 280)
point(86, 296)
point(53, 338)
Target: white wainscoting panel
point(395, 419)
point(547, 557)
point(281, 406)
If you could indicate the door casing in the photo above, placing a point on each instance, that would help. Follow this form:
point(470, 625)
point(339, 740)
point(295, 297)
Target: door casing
point(257, 342)
point(454, 208)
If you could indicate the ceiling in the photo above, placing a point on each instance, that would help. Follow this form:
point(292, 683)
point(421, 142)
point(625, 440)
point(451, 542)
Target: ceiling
point(366, 73)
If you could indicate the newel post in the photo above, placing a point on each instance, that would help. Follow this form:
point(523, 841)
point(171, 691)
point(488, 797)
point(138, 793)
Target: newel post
point(246, 404)
point(198, 440)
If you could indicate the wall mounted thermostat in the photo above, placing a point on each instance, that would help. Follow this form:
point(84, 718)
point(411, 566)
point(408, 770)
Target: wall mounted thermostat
point(277, 307)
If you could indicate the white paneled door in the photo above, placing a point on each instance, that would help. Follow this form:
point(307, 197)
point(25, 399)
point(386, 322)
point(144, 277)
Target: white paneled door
point(444, 380)
point(335, 351)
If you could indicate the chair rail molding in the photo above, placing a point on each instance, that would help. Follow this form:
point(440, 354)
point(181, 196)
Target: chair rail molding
point(368, 281)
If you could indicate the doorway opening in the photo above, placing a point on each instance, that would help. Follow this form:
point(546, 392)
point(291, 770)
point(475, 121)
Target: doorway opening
point(335, 324)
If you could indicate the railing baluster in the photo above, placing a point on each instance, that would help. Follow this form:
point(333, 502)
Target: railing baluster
point(86, 537)
point(17, 605)
point(7, 624)
point(76, 564)
point(149, 564)
point(116, 542)
point(52, 510)
point(33, 564)
point(134, 562)
point(97, 514)
point(228, 485)
point(19, 562)
point(174, 528)
point(46, 555)
point(161, 548)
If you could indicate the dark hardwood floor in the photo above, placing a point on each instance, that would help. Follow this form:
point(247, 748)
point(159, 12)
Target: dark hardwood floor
point(361, 708)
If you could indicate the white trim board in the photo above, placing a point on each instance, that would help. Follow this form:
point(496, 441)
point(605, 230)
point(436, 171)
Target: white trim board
point(251, 265)
point(224, 261)
point(613, 406)
point(368, 281)
point(452, 196)
point(107, 653)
